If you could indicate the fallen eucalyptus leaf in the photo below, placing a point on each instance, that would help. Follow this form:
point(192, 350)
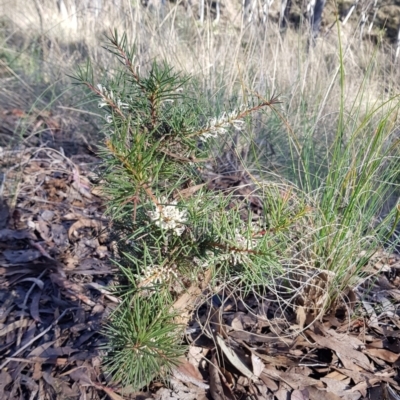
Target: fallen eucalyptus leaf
point(235, 360)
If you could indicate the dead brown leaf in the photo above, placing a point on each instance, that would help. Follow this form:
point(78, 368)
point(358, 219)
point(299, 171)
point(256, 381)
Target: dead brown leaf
point(271, 384)
point(9, 234)
point(318, 394)
point(21, 256)
point(367, 380)
point(187, 372)
point(300, 395)
point(179, 391)
point(295, 381)
point(383, 354)
point(340, 389)
point(37, 371)
point(234, 359)
point(59, 236)
point(43, 228)
point(347, 354)
point(186, 302)
point(258, 365)
point(81, 375)
point(34, 308)
point(5, 380)
point(196, 355)
point(111, 393)
point(283, 393)
point(219, 390)
point(73, 231)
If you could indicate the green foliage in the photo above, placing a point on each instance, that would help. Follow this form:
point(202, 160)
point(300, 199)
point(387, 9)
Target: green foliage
point(309, 245)
point(171, 229)
point(144, 342)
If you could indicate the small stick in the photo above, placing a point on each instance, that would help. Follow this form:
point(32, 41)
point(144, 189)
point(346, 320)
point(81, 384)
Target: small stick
point(34, 339)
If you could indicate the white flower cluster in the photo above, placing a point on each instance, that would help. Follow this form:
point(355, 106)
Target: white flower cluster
point(156, 274)
point(219, 126)
point(109, 95)
point(169, 217)
point(242, 242)
point(237, 252)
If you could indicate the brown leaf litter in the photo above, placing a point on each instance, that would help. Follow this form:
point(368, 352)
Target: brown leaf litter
point(254, 348)
point(56, 292)
point(55, 276)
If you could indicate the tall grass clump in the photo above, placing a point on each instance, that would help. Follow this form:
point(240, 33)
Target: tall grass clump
point(352, 176)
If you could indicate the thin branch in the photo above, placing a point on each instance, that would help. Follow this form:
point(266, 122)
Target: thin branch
point(20, 350)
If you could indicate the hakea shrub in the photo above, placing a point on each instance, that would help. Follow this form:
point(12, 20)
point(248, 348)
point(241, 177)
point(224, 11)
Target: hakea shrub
point(173, 232)
point(171, 229)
